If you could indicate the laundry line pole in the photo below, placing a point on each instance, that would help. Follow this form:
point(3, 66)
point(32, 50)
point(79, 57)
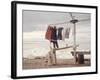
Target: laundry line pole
point(74, 21)
point(74, 48)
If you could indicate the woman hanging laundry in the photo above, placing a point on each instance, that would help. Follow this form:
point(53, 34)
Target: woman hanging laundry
point(54, 38)
point(51, 35)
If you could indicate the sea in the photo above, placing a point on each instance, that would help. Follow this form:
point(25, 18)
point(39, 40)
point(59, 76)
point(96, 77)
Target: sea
point(41, 47)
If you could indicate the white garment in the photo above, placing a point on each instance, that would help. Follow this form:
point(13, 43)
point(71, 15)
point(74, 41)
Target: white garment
point(67, 33)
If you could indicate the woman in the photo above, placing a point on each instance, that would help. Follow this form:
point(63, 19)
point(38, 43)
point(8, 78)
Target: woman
point(54, 37)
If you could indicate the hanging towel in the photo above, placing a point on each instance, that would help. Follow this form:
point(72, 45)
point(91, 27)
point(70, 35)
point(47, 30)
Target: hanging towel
point(60, 33)
point(54, 37)
point(67, 31)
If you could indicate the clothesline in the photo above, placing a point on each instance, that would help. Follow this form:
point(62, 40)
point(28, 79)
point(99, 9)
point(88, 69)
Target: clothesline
point(54, 34)
point(59, 23)
point(68, 22)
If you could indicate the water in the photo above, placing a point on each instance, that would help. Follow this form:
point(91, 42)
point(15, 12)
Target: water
point(40, 47)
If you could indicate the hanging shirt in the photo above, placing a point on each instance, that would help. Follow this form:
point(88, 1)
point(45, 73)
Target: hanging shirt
point(67, 31)
point(51, 33)
point(60, 33)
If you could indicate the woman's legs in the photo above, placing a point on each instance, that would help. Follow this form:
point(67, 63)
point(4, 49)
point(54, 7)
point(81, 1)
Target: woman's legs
point(55, 44)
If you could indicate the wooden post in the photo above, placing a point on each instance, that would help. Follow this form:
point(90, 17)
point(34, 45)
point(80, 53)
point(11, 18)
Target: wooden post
point(74, 42)
point(49, 58)
point(74, 21)
point(54, 56)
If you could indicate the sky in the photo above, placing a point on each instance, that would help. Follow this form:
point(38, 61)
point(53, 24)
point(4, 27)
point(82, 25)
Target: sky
point(35, 24)
point(38, 20)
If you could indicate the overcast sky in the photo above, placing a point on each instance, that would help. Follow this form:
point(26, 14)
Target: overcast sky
point(38, 20)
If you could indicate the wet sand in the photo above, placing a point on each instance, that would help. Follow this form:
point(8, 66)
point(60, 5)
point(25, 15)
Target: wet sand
point(41, 63)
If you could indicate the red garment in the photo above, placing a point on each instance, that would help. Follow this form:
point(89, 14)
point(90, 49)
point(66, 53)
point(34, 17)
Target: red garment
point(48, 34)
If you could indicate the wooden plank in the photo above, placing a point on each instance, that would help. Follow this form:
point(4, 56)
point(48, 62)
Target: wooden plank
point(55, 59)
point(65, 47)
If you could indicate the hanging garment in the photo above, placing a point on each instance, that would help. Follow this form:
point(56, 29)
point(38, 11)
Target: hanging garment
point(60, 33)
point(54, 34)
point(49, 33)
point(54, 38)
point(55, 44)
point(67, 31)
